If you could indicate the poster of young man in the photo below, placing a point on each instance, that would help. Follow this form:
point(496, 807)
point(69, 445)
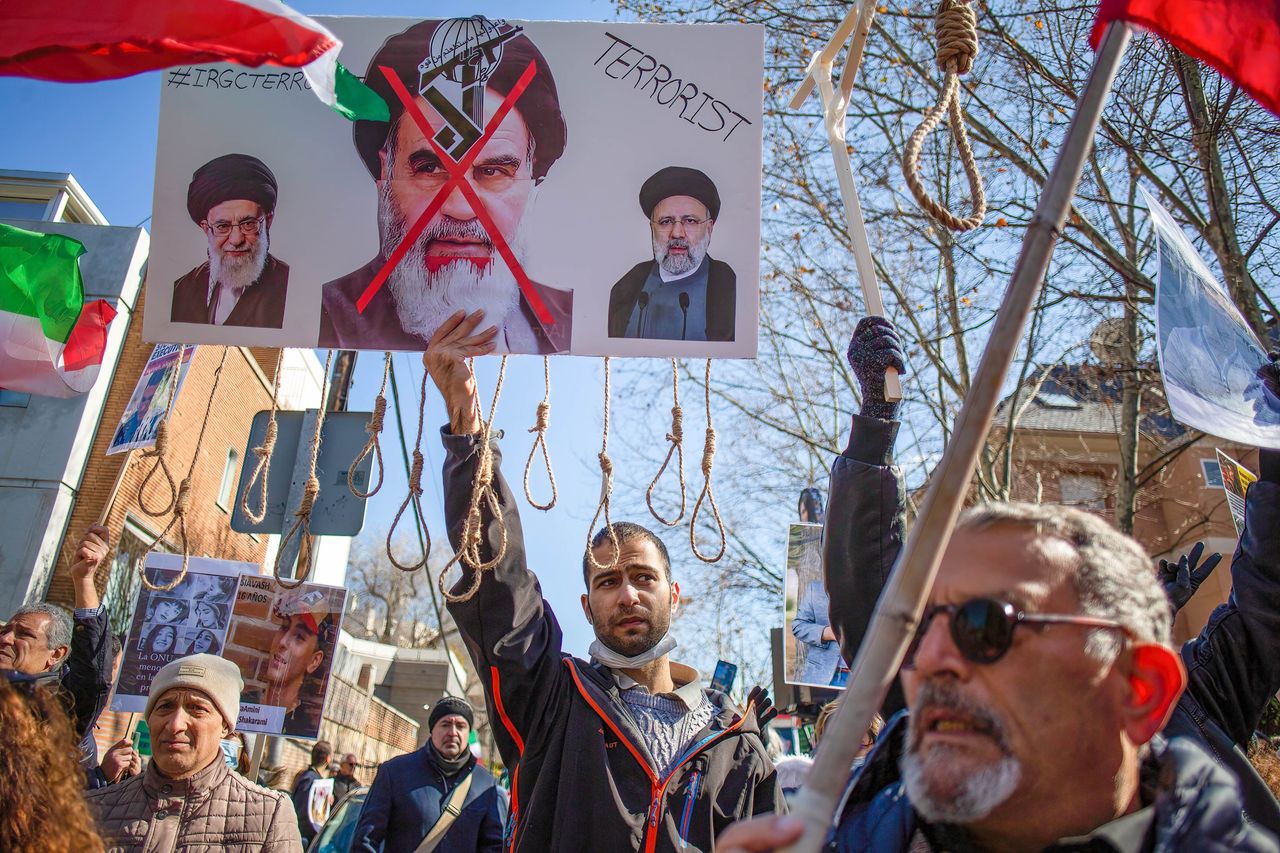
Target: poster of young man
point(1209, 357)
point(283, 641)
point(498, 183)
point(810, 647)
point(189, 619)
point(160, 382)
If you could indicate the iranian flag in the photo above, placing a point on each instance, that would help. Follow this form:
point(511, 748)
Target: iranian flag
point(1240, 38)
point(81, 41)
point(51, 342)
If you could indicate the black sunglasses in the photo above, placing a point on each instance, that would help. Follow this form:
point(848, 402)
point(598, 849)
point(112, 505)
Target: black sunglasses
point(982, 628)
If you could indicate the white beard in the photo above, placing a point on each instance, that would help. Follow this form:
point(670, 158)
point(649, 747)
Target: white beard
point(239, 273)
point(680, 264)
point(425, 299)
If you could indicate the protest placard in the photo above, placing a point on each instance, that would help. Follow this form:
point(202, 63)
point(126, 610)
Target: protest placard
point(160, 382)
point(190, 619)
point(1236, 480)
point(284, 640)
point(499, 183)
point(319, 802)
point(810, 658)
point(1209, 357)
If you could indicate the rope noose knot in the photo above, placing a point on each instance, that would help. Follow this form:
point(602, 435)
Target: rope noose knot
point(309, 492)
point(606, 465)
point(415, 474)
point(677, 425)
point(544, 417)
point(268, 441)
point(184, 498)
point(956, 27)
point(708, 452)
point(162, 440)
point(374, 426)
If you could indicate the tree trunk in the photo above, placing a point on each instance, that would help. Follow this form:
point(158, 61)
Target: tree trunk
point(1130, 408)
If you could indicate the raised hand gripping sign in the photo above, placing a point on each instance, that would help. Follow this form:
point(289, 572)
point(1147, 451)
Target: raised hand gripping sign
point(594, 188)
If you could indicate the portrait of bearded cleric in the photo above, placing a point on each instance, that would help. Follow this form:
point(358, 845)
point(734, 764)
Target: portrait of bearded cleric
point(232, 200)
point(458, 72)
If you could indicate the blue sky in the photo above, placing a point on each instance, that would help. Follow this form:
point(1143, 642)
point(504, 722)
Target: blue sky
point(105, 135)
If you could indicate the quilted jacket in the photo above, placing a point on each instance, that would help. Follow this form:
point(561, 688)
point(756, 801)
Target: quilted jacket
point(215, 809)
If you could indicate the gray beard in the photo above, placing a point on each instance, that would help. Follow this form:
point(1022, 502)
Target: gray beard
point(680, 264)
point(425, 299)
point(239, 273)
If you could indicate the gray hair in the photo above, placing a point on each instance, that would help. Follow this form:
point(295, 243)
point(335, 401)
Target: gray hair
point(1114, 578)
point(58, 633)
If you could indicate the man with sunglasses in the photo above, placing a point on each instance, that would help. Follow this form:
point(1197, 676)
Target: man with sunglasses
point(232, 200)
point(1038, 680)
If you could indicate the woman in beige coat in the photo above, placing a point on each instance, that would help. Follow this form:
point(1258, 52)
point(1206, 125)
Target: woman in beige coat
point(188, 799)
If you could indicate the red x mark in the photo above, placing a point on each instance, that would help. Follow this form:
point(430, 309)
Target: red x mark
point(458, 178)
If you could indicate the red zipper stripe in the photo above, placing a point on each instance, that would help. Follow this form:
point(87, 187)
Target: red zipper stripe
point(515, 736)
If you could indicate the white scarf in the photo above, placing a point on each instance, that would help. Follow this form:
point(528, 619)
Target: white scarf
point(607, 656)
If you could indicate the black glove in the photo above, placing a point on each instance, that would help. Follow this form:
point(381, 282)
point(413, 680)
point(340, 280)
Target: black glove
point(875, 347)
point(1269, 373)
point(1183, 578)
point(765, 712)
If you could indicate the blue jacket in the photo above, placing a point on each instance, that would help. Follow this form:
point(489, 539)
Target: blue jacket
point(1233, 667)
point(85, 680)
point(822, 657)
point(1195, 805)
point(405, 801)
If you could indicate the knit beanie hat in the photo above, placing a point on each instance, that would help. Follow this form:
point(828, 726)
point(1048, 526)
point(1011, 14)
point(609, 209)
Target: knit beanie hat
point(215, 677)
point(451, 705)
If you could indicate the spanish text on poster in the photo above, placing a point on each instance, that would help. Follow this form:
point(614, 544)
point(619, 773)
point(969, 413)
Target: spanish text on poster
point(593, 187)
point(810, 648)
point(190, 619)
point(1236, 480)
point(160, 382)
point(1209, 357)
point(284, 640)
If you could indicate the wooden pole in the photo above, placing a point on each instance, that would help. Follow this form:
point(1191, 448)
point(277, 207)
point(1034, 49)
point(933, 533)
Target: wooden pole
point(255, 758)
point(856, 25)
point(901, 604)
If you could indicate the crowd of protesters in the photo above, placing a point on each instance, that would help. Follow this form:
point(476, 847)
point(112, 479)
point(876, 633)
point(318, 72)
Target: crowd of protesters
point(1041, 705)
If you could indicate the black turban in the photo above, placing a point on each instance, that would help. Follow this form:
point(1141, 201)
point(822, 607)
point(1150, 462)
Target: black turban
point(679, 180)
point(231, 176)
point(539, 106)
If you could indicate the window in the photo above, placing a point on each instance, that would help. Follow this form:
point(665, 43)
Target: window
point(1083, 491)
point(1054, 400)
point(14, 398)
point(121, 593)
point(1212, 473)
point(22, 209)
point(227, 490)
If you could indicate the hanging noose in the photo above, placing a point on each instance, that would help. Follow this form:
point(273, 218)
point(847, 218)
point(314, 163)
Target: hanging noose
point(182, 498)
point(414, 498)
point(606, 488)
point(374, 444)
point(311, 489)
point(483, 495)
point(160, 451)
point(540, 441)
point(956, 27)
point(707, 495)
point(264, 451)
point(676, 438)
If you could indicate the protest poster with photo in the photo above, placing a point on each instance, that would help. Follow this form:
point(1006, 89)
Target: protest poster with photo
point(284, 640)
point(595, 188)
point(811, 659)
point(319, 802)
point(1236, 480)
point(190, 619)
point(1209, 357)
point(160, 382)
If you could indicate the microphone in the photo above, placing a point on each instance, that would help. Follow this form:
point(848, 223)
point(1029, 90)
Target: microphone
point(684, 309)
point(643, 302)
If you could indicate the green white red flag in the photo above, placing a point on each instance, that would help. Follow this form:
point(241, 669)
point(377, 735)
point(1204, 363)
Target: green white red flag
point(1240, 38)
point(51, 341)
point(80, 41)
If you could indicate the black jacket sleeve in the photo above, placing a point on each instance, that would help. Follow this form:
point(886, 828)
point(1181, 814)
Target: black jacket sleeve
point(510, 632)
point(1233, 668)
point(866, 521)
point(87, 678)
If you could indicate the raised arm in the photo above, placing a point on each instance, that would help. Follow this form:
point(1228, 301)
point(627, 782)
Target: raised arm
point(866, 512)
point(88, 675)
point(512, 636)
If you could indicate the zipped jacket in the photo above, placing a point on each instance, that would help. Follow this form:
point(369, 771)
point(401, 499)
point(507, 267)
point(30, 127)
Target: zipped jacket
point(582, 777)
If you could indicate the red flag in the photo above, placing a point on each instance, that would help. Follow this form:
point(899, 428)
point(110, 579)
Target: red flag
point(1240, 38)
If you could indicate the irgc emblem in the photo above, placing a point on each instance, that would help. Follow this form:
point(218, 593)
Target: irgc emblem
point(462, 54)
